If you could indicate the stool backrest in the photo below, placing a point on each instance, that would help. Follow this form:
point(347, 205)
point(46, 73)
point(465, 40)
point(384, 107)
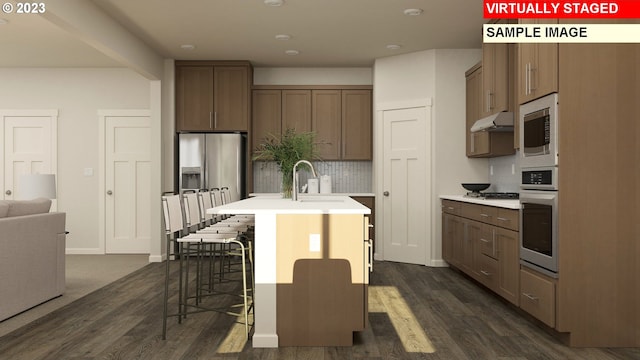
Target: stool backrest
point(204, 197)
point(225, 194)
point(172, 210)
point(216, 197)
point(191, 210)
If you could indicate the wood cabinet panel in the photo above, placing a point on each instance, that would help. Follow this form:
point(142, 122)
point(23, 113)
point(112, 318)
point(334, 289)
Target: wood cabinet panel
point(194, 98)
point(341, 119)
point(474, 242)
point(483, 143)
point(537, 66)
point(508, 254)
point(495, 79)
point(326, 122)
point(508, 218)
point(538, 296)
point(486, 214)
point(451, 207)
point(448, 234)
point(473, 108)
point(370, 202)
point(470, 249)
point(231, 98)
point(456, 231)
point(212, 96)
point(267, 112)
point(296, 110)
point(487, 243)
point(356, 125)
point(598, 241)
point(488, 271)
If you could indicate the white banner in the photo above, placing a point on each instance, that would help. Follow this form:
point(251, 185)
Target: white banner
point(561, 33)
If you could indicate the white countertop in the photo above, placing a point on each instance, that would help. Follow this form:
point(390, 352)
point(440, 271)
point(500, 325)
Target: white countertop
point(306, 194)
point(274, 204)
point(502, 203)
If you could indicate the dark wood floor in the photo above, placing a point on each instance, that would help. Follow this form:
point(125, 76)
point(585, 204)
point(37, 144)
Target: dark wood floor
point(461, 321)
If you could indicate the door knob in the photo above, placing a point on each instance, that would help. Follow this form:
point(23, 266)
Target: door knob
point(386, 193)
point(8, 192)
point(109, 192)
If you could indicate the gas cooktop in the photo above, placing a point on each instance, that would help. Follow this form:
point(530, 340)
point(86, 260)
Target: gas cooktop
point(494, 195)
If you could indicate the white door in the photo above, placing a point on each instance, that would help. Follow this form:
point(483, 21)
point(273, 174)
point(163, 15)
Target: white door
point(127, 196)
point(406, 184)
point(28, 146)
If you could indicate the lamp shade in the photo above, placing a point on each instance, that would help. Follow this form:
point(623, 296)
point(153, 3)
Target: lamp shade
point(34, 186)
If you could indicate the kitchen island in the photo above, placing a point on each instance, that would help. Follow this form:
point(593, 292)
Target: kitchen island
point(311, 269)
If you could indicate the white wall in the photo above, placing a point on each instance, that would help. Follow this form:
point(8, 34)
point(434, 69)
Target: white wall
point(405, 77)
point(78, 94)
point(438, 75)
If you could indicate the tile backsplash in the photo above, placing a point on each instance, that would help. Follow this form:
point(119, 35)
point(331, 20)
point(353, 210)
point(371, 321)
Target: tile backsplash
point(504, 173)
point(346, 176)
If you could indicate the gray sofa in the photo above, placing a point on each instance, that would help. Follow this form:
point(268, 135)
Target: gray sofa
point(32, 250)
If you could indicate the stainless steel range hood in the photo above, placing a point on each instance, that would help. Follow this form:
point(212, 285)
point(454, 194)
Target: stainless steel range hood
point(502, 121)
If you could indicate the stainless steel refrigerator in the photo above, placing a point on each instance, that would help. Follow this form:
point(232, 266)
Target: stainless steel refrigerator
point(213, 160)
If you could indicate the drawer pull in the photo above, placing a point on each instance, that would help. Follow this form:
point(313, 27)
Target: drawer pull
point(502, 219)
point(530, 297)
point(485, 273)
point(451, 208)
point(484, 240)
point(485, 215)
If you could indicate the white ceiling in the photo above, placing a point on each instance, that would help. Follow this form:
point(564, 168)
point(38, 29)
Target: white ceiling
point(327, 33)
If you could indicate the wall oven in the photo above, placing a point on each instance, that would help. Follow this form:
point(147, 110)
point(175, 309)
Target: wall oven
point(539, 220)
point(539, 132)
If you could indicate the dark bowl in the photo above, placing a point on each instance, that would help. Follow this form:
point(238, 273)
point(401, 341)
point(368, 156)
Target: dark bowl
point(475, 187)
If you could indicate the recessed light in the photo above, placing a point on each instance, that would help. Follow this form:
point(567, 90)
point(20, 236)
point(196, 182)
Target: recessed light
point(283, 37)
point(3, 21)
point(187, 47)
point(412, 12)
point(292, 52)
point(274, 2)
point(393, 46)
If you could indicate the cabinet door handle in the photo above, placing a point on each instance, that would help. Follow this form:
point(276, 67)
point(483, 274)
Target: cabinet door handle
point(473, 143)
point(215, 119)
point(489, 101)
point(526, 79)
point(485, 273)
point(484, 240)
point(530, 297)
point(210, 120)
point(369, 245)
point(531, 87)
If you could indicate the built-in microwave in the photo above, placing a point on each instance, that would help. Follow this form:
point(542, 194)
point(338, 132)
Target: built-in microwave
point(539, 132)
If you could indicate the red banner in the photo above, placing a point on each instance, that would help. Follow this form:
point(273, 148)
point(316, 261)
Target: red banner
point(521, 9)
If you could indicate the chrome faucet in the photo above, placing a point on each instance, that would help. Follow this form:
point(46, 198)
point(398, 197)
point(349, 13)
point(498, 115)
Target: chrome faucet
point(294, 193)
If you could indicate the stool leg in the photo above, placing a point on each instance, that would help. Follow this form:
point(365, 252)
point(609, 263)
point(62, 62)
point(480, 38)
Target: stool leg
point(166, 293)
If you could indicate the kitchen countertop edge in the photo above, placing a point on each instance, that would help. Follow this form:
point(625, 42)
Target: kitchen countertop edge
point(307, 194)
point(501, 203)
point(335, 204)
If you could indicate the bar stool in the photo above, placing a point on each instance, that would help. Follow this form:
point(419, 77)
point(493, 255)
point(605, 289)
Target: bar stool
point(174, 230)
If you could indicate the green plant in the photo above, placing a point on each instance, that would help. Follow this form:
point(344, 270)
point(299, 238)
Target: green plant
point(287, 149)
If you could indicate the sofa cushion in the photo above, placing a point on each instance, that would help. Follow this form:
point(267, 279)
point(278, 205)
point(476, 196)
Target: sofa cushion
point(29, 207)
point(4, 208)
